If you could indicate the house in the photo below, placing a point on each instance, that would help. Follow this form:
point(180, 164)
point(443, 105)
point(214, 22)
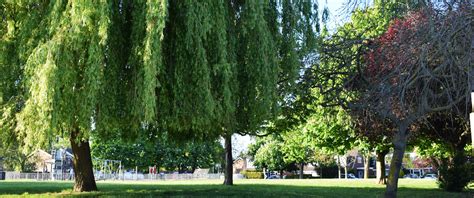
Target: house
point(43, 161)
point(59, 160)
point(310, 169)
point(242, 164)
point(355, 161)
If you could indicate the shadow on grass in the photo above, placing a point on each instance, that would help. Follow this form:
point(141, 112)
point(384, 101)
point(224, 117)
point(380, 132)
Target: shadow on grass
point(63, 189)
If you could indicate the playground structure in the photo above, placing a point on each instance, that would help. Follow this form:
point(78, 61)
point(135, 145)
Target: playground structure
point(108, 169)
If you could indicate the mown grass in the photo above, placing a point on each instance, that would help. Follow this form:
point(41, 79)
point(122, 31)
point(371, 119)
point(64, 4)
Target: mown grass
point(242, 188)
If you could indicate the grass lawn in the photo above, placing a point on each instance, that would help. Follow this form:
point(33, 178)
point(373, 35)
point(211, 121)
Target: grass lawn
point(242, 188)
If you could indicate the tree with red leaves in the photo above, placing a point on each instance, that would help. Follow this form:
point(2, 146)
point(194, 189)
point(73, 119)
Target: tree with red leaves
point(420, 65)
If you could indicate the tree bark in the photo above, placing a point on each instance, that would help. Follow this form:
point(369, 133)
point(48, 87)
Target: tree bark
point(264, 173)
point(345, 171)
point(281, 174)
point(321, 175)
point(301, 170)
point(229, 162)
point(82, 163)
point(381, 179)
point(339, 167)
point(399, 143)
point(366, 166)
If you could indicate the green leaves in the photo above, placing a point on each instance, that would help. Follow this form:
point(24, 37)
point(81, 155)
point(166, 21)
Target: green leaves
point(191, 104)
point(194, 69)
point(257, 70)
point(65, 52)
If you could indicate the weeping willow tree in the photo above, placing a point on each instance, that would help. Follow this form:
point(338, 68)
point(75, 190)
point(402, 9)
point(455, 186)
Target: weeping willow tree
point(271, 43)
point(192, 69)
point(229, 65)
point(76, 68)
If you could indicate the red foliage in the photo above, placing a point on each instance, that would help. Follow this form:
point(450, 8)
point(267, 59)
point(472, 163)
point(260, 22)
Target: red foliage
point(395, 47)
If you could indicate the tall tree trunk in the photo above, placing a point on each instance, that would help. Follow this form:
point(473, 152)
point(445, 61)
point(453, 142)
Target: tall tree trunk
point(281, 174)
point(321, 175)
point(82, 163)
point(264, 173)
point(339, 167)
point(366, 166)
point(301, 170)
point(399, 143)
point(345, 171)
point(381, 179)
point(228, 161)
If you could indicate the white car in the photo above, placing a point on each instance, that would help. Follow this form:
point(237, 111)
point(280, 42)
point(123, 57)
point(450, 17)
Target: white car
point(430, 176)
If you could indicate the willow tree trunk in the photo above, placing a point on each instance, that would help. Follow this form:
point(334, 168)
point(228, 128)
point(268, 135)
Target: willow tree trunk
point(301, 170)
point(228, 161)
point(399, 144)
point(381, 179)
point(82, 163)
point(366, 166)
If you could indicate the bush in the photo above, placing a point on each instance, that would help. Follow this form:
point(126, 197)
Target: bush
point(401, 174)
point(252, 174)
point(455, 174)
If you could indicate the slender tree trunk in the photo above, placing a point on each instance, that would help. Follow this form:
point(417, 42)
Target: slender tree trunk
point(22, 165)
point(301, 170)
point(399, 143)
point(381, 179)
point(345, 171)
point(82, 163)
point(281, 174)
point(339, 167)
point(264, 173)
point(366, 166)
point(321, 175)
point(228, 161)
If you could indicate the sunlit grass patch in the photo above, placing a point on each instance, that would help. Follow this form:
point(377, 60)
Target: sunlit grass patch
point(242, 188)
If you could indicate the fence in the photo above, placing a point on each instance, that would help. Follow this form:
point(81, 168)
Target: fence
point(121, 176)
point(139, 176)
point(37, 176)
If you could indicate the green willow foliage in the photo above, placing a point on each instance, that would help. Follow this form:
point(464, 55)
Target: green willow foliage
point(192, 68)
point(74, 69)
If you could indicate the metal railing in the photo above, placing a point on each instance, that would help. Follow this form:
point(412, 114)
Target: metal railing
point(140, 176)
point(38, 176)
point(120, 176)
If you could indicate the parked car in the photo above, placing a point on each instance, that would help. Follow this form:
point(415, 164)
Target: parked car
point(411, 176)
point(430, 176)
point(274, 177)
point(349, 176)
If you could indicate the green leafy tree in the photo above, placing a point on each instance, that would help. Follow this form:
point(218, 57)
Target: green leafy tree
point(161, 152)
point(298, 146)
point(270, 154)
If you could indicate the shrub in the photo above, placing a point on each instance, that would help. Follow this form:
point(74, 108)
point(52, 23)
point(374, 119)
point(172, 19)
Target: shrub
point(455, 173)
point(401, 174)
point(252, 174)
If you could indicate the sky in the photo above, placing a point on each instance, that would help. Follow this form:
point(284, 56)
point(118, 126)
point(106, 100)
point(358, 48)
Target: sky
point(240, 143)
